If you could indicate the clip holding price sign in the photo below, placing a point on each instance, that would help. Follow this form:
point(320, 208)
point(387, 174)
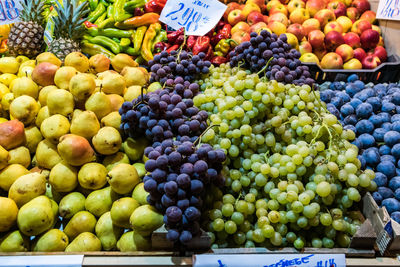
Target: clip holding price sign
point(10, 11)
point(198, 17)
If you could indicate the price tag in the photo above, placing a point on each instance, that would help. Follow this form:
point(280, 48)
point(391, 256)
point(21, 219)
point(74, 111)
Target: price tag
point(198, 17)
point(10, 11)
point(388, 9)
point(269, 260)
point(44, 261)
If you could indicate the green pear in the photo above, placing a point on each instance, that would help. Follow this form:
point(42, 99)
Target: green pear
point(113, 83)
point(54, 127)
point(107, 141)
point(63, 177)
point(113, 120)
point(14, 242)
point(10, 174)
point(141, 170)
point(115, 159)
point(63, 76)
point(92, 176)
point(121, 211)
point(134, 149)
point(146, 219)
point(71, 204)
point(8, 215)
point(84, 242)
point(24, 108)
point(33, 138)
point(52, 241)
point(24, 86)
point(47, 155)
point(139, 194)
point(141, 242)
point(100, 201)
point(53, 194)
point(85, 124)
point(132, 241)
point(75, 150)
point(82, 221)
point(82, 86)
point(36, 216)
point(27, 187)
point(123, 178)
point(20, 155)
point(42, 115)
point(44, 92)
point(99, 103)
point(83, 191)
point(60, 102)
point(107, 232)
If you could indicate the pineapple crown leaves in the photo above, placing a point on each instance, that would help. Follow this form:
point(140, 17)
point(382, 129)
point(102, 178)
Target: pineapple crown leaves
point(32, 10)
point(69, 22)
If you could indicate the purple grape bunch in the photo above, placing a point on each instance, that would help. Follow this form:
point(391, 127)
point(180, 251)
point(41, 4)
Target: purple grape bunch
point(183, 64)
point(266, 48)
point(180, 174)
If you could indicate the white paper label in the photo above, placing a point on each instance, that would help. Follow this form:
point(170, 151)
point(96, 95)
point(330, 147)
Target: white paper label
point(388, 9)
point(10, 11)
point(270, 260)
point(45, 261)
point(198, 17)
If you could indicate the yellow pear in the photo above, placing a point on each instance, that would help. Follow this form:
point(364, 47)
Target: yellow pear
point(123, 178)
point(99, 63)
point(134, 148)
point(139, 194)
point(71, 204)
point(146, 219)
point(84, 242)
point(107, 232)
point(3, 90)
point(24, 86)
point(63, 76)
point(4, 157)
point(121, 211)
point(54, 127)
point(47, 155)
point(107, 141)
point(82, 86)
point(30, 63)
point(110, 161)
point(24, 108)
point(9, 65)
point(116, 101)
point(52, 241)
point(14, 242)
point(60, 102)
point(44, 92)
point(99, 103)
point(27, 187)
point(36, 216)
point(83, 221)
point(135, 76)
point(42, 115)
point(132, 92)
point(10, 174)
point(7, 78)
point(48, 57)
point(6, 101)
point(33, 138)
point(8, 214)
point(92, 176)
point(77, 60)
point(100, 201)
point(85, 124)
point(121, 60)
point(113, 84)
point(20, 155)
point(132, 241)
point(63, 177)
point(25, 71)
point(75, 150)
point(112, 120)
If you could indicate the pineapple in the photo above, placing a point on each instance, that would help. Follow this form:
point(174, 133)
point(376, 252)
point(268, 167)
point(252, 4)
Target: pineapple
point(26, 37)
point(68, 27)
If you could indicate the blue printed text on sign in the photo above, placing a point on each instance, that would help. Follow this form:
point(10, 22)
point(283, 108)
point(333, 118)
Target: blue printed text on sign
point(9, 11)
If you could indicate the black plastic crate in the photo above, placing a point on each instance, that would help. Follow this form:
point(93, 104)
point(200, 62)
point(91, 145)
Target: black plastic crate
point(386, 72)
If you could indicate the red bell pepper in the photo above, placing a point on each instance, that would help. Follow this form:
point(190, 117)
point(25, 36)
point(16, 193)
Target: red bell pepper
point(202, 45)
point(224, 33)
point(172, 48)
point(191, 41)
point(160, 46)
point(155, 6)
point(89, 25)
point(209, 53)
point(174, 35)
point(218, 60)
point(180, 40)
point(138, 12)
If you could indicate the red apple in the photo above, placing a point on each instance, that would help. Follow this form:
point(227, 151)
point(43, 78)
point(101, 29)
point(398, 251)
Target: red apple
point(310, 25)
point(359, 54)
point(231, 6)
point(241, 36)
point(297, 30)
point(316, 39)
point(352, 39)
point(324, 16)
point(313, 6)
point(240, 26)
point(380, 52)
point(352, 64)
point(361, 5)
point(255, 17)
point(279, 9)
point(381, 42)
point(369, 15)
point(371, 62)
point(338, 8)
point(305, 47)
point(360, 26)
point(345, 51)
point(258, 27)
point(320, 53)
point(333, 26)
point(369, 39)
point(299, 15)
point(266, 18)
point(333, 39)
point(250, 7)
point(293, 4)
point(279, 17)
point(352, 13)
point(332, 61)
point(235, 16)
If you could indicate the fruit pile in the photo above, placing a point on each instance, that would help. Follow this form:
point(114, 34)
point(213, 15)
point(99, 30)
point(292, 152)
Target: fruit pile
point(372, 112)
point(68, 180)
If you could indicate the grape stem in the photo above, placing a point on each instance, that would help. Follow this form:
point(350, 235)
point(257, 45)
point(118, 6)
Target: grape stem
point(141, 99)
point(182, 45)
point(201, 135)
point(264, 68)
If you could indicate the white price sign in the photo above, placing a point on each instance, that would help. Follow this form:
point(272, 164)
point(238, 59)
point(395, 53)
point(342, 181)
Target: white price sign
point(198, 17)
point(43, 261)
point(269, 260)
point(10, 10)
point(388, 9)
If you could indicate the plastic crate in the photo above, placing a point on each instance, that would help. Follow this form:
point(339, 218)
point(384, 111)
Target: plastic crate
point(386, 72)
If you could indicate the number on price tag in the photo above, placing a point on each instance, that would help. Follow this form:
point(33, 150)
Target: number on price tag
point(9, 11)
point(197, 16)
point(388, 9)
